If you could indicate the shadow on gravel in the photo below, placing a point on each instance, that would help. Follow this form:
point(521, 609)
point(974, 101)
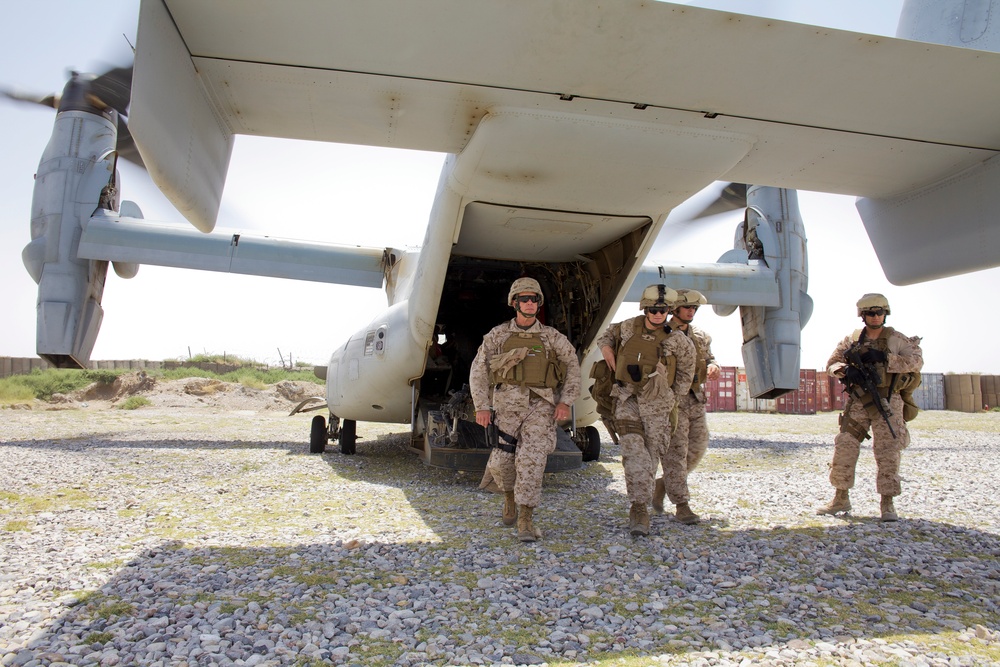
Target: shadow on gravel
point(425, 603)
point(465, 591)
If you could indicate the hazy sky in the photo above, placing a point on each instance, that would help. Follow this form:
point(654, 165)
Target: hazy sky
point(380, 197)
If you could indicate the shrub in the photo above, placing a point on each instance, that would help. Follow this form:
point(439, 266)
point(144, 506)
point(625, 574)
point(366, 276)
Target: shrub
point(42, 384)
point(12, 391)
point(134, 403)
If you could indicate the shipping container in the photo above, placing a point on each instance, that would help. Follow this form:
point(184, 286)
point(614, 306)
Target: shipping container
point(838, 393)
point(743, 401)
point(930, 394)
point(803, 400)
point(824, 402)
point(720, 393)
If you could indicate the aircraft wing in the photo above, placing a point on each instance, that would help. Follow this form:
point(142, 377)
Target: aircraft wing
point(806, 107)
point(109, 237)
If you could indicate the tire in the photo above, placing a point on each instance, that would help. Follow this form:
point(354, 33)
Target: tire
point(317, 435)
point(592, 451)
point(348, 436)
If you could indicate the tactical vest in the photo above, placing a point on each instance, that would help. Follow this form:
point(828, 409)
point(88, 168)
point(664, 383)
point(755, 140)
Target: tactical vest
point(700, 362)
point(889, 383)
point(643, 350)
point(539, 368)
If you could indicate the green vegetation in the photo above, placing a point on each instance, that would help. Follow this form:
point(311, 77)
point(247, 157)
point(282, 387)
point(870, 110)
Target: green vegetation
point(43, 384)
point(98, 638)
point(134, 403)
point(16, 526)
point(62, 499)
point(11, 393)
point(109, 607)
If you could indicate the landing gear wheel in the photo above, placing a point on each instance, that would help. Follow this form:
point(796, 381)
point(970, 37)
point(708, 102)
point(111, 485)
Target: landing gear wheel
point(317, 435)
point(592, 449)
point(348, 436)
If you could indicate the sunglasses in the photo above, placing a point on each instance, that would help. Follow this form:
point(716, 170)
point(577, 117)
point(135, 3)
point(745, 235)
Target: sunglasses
point(692, 307)
point(525, 298)
point(656, 310)
point(874, 312)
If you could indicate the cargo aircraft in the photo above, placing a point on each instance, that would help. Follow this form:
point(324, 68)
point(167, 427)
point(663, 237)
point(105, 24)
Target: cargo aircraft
point(573, 128)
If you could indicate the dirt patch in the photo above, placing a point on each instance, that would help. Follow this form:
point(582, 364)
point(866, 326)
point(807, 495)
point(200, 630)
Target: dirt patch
point(125, 385)
point(191, 392)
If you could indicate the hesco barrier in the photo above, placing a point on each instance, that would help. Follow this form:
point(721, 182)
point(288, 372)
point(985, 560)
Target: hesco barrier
point(817, 392)
point(24, 365)
point(991, 390)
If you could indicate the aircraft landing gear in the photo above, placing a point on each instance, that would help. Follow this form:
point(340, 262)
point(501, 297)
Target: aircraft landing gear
point(345, 433)
point(348, 436)
point(318, 435)
point(589, 442)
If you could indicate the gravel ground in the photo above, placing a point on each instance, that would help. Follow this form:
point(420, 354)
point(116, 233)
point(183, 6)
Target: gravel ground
point(208, 536)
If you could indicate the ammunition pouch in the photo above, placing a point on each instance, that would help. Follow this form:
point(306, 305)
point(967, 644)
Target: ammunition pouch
point(908, 383)
point(627, 426)
point(858, 393)
point(600, 391)
point(848, 425)
point(637, 357)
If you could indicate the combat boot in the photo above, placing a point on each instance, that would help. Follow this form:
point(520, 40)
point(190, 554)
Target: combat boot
point(638, 519)
point(888, 510)
point(685, 515)
point(659, 493)
point(525, 531)
point(841, 503)
point(509, 508)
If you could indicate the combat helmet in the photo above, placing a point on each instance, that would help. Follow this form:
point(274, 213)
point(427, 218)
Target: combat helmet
point(689, 297)
point(657, 295)
point(525, 285)
point(872, 300)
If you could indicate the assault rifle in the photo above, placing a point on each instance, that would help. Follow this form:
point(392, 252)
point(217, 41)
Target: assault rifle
point(868, 381)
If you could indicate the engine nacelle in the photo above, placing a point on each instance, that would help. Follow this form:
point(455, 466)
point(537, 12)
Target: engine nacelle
point(772, 234)
point(75, 176)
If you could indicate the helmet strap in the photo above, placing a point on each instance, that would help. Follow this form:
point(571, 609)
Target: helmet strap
point(527, 316)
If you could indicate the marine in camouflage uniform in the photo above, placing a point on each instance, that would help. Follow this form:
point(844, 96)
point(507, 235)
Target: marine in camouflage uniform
point(689, 440)
point(524, 407)
point(896, 359)
point(645, 393)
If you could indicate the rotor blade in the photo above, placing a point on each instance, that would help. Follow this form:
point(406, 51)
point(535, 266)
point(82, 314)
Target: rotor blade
point(114, 88)
point(701, 210)
point(732, 198)
point(50, 100)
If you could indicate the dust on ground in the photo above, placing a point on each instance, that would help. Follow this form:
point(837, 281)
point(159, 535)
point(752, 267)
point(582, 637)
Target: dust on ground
point(190, 392)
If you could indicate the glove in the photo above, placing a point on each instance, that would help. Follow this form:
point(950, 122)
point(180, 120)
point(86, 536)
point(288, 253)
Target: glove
point(873, 356)
point(854, 376)
point(657, 388)
point(634, 372)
